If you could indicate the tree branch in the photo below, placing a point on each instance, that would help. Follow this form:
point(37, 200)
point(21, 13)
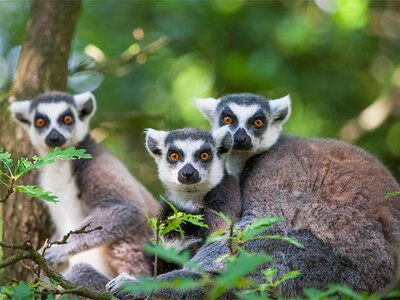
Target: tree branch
point(28, 252)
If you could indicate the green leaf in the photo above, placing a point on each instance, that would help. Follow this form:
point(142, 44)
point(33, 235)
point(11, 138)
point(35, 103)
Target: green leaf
point(270, 274)
point(224, 217)
point(249, 296)
point(5, 158)
point(235, 271)
point(213, 239)
point(22, 291)
point(147, 285)
point(196, 220)
point(219, 232)
point(37, 192)
point(71, 153)
point(392, 194)
point(170, 204)
point(169, 255)
point(260, 225)
point(287, 276)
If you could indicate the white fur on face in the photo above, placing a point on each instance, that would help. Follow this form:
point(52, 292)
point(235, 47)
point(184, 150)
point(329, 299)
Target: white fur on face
point(187, 196)
point(53, 111)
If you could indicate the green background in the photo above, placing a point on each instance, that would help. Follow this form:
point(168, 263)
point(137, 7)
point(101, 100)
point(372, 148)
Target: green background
point(335, 58)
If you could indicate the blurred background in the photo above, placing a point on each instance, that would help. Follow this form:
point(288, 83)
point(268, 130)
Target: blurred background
point(145, 61)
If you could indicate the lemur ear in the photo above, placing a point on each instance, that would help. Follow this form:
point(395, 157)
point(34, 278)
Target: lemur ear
point(85, 104)
point(20, 112)
point(207, 107)
point(280, 110)
point(223, 140)
point(155, 141)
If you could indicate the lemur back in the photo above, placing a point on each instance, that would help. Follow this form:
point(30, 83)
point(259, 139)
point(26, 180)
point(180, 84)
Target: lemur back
point(330, 194)
point(335, 193)
point(99, 191)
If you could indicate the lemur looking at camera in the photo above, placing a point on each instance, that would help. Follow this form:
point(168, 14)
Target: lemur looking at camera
point(191, 167)
point(99, 191)
point(330, 194)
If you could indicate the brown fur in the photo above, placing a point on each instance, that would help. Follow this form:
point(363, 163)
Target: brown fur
point(110, 185)
point(334, 190)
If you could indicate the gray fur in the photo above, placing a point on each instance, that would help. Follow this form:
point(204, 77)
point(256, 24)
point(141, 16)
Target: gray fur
point(330, 195)
point(98, 191)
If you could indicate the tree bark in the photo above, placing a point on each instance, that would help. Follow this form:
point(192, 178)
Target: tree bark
point(42, 67)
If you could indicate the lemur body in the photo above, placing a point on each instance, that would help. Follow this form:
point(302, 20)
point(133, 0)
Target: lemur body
point(191, 167)
point(99, 191)
point(328, 192)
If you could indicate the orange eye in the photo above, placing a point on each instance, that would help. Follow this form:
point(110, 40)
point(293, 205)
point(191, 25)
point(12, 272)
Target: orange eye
point(174, 156)
point(40, 122)
point(68, 119)
point(258, 123)
point(204, 156)
point(228, 120)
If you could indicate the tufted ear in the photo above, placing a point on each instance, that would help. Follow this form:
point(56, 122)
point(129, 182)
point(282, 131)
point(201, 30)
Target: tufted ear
point(20, 112)
point(207, 106)
point(223, 140)
point(280, 110)
point(155, 142)
point(86, 105)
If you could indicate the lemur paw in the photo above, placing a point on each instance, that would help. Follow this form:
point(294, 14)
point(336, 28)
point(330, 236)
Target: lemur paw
point(116, 287)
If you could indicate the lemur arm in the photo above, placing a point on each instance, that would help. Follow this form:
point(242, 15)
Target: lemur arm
point(116, 221)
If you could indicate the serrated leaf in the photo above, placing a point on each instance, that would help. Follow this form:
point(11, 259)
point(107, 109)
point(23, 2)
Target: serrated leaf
point(5, 158)
point(169, 255)
point(196, 220)
point(287, 276)
point(68, 154)
point(270, 274)
point(37, 192)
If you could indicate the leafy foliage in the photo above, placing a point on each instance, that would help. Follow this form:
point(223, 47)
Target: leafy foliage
point(37, 192)
point(24, 166)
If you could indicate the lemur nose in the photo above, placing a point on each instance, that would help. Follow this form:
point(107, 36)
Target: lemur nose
point(242, 140)
point(55, 139)
point(188, 175)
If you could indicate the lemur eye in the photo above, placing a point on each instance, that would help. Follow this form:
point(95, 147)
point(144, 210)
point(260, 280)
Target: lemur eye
point(68, 119)
point(228, 120)
point(204, 156)
point(258, 123)
point(174, 156)
point(40, 122)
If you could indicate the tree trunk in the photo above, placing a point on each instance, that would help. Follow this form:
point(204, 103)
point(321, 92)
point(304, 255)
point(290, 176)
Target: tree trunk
point(42, 67)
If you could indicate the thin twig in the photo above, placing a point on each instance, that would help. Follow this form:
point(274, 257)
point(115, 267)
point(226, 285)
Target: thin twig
point(66, 237)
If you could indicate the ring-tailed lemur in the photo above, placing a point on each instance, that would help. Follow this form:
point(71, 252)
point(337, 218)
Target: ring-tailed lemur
point(191, 167)
point(330, 194)
point(99, 191)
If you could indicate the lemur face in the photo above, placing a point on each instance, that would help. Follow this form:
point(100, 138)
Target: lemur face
point(55, 119)
point(189, 160)
point(254, 121)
